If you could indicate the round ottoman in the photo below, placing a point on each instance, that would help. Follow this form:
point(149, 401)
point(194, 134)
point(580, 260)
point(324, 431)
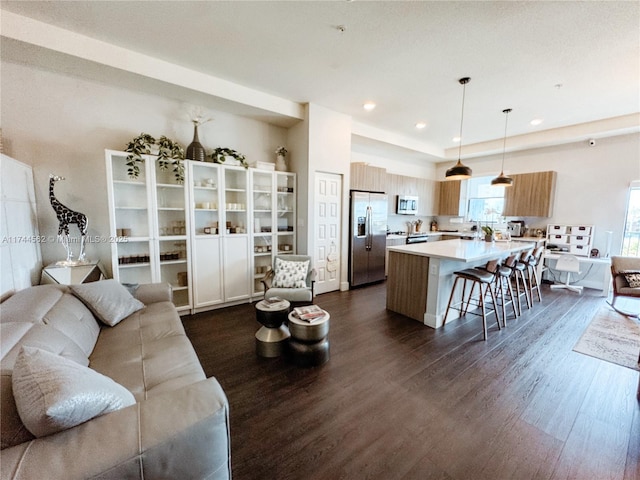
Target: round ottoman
point(272, 336)
point(308, 345)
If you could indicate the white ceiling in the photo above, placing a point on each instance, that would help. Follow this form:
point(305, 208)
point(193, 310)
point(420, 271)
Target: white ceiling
point(405, 56)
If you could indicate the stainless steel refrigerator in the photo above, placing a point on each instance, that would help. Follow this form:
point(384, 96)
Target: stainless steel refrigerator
point(368, 231)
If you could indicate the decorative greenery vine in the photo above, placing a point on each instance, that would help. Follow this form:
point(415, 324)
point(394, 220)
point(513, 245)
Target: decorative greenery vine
point(169, 152)
point(219, 154)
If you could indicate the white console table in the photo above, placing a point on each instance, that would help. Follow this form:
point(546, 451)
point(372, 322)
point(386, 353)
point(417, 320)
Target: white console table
point(606, 277)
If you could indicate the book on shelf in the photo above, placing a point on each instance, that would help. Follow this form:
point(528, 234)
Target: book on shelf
point(309, 313)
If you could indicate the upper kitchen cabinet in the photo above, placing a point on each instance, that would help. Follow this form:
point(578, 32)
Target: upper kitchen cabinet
point(368, 178)
point(427, 191)
point(449, 198)
point(531, 195)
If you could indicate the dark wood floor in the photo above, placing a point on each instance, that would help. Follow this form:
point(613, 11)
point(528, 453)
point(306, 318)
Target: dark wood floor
point(399, 400)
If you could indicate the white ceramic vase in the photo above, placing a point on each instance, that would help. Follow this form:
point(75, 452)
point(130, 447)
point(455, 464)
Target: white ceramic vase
point(281, 164)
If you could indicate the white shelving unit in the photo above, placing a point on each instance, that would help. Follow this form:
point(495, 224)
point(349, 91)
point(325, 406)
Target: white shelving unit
point(572, 239)
point(147, 216)
point(213, 237)
point(273, 214)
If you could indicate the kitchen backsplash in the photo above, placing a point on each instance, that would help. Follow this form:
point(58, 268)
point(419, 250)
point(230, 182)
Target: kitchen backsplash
point(401, 223)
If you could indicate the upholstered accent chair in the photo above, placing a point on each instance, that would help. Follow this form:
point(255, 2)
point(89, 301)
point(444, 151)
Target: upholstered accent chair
point(625, 274)
point(291, 277)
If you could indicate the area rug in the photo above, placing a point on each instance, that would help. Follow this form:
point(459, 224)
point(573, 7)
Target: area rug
point(612, 337)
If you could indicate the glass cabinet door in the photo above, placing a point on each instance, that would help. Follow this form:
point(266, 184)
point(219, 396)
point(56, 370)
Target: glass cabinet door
point(235, 198)
point(262, 188)
point(130, 219)
point(171, 256)
point(205, 198)
point(286, 212)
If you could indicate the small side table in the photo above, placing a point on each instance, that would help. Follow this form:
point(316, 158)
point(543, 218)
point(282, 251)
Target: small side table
point(72, 274)
point(309, 342)
point(272, 336)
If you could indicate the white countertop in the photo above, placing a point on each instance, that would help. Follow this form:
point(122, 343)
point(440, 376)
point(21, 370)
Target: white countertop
point(462, 250)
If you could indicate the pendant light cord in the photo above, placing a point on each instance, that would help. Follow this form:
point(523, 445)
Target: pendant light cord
point(464, 89)
point(504, 142)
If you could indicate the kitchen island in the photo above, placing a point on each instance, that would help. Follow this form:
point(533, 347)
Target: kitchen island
point(420, 276)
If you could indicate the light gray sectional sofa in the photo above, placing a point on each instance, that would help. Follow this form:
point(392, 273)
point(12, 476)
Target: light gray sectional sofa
point(176, 424)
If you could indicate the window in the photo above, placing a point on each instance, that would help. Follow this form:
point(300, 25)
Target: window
point(631, 238)
point(485, 202)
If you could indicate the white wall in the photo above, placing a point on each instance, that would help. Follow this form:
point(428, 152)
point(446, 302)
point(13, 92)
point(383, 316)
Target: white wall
point(61, 124)
point(329, 152)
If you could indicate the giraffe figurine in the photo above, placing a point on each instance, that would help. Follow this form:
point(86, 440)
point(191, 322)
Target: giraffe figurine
point(66, 216)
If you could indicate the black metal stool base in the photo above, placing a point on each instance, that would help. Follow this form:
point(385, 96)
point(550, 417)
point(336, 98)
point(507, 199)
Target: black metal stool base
point(304, 354)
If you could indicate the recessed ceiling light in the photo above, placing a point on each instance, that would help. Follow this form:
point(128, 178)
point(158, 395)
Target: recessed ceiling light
point(421, 125)
point(369, 106)
point(456, 139)
point(536, 121)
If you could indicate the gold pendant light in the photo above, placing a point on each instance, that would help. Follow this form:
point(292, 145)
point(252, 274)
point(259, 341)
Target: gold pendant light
point(502, 180)
point(460, 171)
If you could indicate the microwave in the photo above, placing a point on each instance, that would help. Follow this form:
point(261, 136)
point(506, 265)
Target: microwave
point(407, 205)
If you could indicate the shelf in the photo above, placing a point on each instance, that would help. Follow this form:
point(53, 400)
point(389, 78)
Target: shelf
point(235, 189)
point(136, 183)
point(169, 185)
point(164, 238)
point(133, 239)
point(173, 262)
point(131, 208)
point(133, 265)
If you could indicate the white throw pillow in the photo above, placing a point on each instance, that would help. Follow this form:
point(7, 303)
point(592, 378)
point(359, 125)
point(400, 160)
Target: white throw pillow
point(290, 274)
point(53, 393)
point(109, 301)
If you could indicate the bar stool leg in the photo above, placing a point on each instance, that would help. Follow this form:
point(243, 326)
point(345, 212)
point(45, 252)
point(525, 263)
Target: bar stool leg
point(516, 314)
point(453, 290)
point(533, 275)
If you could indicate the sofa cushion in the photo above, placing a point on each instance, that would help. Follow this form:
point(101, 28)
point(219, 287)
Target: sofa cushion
point(148, 352)
point(14, 336)
point(44, 337)
point(53, 305)
point(53, 393)
point(13, 431)
point(108, 300)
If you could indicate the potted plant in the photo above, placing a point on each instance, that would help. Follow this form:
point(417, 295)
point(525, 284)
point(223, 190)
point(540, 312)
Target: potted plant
point(168, 152)
point(488, 233)
point(140, 145)
point(220, 154)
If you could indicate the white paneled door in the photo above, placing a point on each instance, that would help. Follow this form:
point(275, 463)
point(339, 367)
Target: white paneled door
point(327, 233)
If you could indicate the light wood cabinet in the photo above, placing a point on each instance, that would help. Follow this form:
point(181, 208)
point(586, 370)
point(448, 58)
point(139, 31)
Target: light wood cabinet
point(449, 198)
point(532, 195)
point(368, 178)
point(427, 190)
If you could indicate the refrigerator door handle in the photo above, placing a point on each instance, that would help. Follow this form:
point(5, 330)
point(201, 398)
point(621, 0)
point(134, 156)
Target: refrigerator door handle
point(369, 224)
